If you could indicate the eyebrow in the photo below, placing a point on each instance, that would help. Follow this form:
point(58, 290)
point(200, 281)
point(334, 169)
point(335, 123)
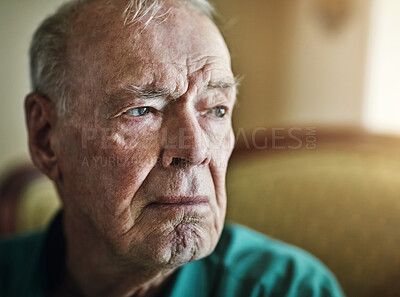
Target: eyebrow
point(224, 84)
point(230, 83)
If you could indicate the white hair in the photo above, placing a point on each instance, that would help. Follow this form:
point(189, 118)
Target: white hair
point(49, 44)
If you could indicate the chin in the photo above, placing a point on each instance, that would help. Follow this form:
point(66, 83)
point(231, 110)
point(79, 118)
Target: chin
point(186, 243)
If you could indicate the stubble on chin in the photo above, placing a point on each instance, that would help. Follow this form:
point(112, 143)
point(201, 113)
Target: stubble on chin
point(185, 241)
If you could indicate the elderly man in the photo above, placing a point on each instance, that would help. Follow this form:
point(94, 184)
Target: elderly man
point(130, 116)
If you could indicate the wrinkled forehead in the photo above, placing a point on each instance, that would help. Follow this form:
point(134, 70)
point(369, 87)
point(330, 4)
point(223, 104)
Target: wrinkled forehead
point(178, 36)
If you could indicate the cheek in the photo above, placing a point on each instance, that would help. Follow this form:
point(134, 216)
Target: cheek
point(130, 159)
point(221, 150)
point(109, 166)
point(221, 143)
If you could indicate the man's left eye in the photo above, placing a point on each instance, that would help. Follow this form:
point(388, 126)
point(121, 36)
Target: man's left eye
point(138, 111)
point(218, 111)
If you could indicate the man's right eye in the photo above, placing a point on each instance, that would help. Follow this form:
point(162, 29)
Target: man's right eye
point(138, 111)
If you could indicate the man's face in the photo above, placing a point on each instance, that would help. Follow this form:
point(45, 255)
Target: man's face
point(143, 152)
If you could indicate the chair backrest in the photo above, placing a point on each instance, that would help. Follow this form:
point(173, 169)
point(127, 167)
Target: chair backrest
point(28, 200)
point(340, 201)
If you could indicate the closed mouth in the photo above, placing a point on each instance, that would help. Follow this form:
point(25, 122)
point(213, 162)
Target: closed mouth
point(180, 200)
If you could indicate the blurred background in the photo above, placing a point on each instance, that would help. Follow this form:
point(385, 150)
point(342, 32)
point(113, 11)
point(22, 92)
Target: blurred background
point(319, 62)
point(319, 91)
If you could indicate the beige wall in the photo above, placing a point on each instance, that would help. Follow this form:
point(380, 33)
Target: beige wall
point(18, 20)
point(324, 81)
point(296, 71)
point(382, 106)
point(254, 31)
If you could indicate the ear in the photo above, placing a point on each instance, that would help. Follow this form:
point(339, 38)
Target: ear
point(41, 117)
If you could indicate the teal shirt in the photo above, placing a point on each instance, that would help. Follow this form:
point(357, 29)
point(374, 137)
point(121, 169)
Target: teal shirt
point(244, 263)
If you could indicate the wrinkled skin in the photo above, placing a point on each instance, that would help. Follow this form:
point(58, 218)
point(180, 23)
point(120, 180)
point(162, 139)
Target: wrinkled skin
point(139, 191)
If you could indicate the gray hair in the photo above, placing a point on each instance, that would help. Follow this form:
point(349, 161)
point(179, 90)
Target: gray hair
point(48, 49)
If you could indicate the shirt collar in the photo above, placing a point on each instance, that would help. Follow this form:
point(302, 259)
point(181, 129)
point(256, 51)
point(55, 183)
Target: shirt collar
point(54, 254)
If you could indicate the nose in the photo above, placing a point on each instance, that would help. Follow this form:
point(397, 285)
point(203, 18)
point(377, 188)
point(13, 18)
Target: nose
point(184, 141)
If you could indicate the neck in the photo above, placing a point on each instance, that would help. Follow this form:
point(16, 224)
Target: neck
point(92, 270)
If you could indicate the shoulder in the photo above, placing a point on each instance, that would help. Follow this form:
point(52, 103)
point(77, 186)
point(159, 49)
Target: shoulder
point(19, 241)
point(271, 266)
point(20, 247)
point(19, 256)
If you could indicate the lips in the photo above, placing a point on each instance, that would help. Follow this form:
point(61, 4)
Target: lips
point(181, 200)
